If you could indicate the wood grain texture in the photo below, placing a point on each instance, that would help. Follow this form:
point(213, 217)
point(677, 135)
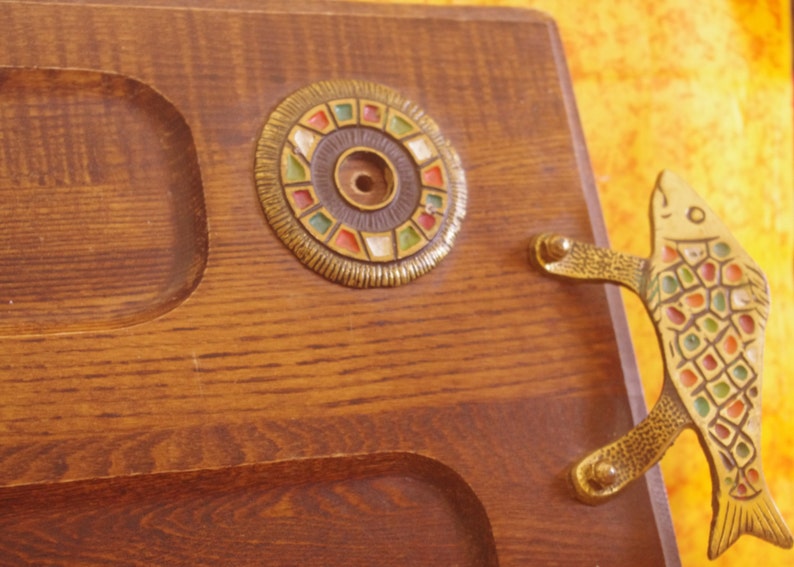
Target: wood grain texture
point(499, 375)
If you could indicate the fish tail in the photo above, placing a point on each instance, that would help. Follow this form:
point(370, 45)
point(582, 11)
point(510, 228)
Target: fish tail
point(757, 516)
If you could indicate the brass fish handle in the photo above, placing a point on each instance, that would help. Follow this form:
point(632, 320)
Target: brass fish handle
point(709, 302)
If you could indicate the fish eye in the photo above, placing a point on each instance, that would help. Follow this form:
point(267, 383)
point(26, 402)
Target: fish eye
point(696, 215)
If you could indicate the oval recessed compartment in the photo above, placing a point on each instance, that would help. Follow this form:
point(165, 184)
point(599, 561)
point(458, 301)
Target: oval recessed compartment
point(387, 509)
point(102, 219)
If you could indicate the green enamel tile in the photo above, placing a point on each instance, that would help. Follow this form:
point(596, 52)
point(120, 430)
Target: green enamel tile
point(669, 284)
point(686, 275)
point(408, 238)
point(710, 325)
point(320, 222)
point(740, 372)
point(295, 169)
point(343, 112)
point(691, 342)
point(435, 201)
point(719, 301)
point(721, 390)
point(702, 406)
point(399, 126)
point(742, 450)
point(721, 249)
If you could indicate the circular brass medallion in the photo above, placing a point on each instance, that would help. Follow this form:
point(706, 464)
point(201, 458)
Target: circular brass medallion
point(359, 183)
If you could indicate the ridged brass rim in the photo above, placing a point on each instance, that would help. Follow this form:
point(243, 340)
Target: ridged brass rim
point(296, 169)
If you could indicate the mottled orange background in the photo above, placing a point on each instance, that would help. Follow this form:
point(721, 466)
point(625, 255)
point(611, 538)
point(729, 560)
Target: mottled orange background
point(705, 89)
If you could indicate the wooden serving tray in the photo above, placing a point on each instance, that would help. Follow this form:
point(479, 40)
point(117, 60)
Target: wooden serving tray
point(177, 389)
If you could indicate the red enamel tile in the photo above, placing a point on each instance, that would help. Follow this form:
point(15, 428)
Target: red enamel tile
point(688, 378)
point(302, 199)
point(747, 324)
point(695, 300)
point(709, 362)
point(722, 431)
point(426, 221)
point(345, 239)
point(319, 120)
point(736, 409)
point(433, 177)
point(708, 271)
point(669, 254)
point(675, 316)
point(733, 273)
point(371, 113)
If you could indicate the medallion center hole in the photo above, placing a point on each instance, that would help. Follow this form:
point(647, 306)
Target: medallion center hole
point(364, 183)
point(365, 178)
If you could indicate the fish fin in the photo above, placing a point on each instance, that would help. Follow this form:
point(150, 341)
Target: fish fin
point(757, 516)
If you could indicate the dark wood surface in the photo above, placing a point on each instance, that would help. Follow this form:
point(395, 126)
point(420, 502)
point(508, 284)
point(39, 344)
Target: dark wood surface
point(222, 404)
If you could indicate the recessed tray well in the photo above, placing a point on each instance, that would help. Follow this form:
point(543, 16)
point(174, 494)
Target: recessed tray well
point(102, 222)
point(377, 509)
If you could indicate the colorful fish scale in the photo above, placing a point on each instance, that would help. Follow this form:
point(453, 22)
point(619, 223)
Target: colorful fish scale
point(710, 309)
